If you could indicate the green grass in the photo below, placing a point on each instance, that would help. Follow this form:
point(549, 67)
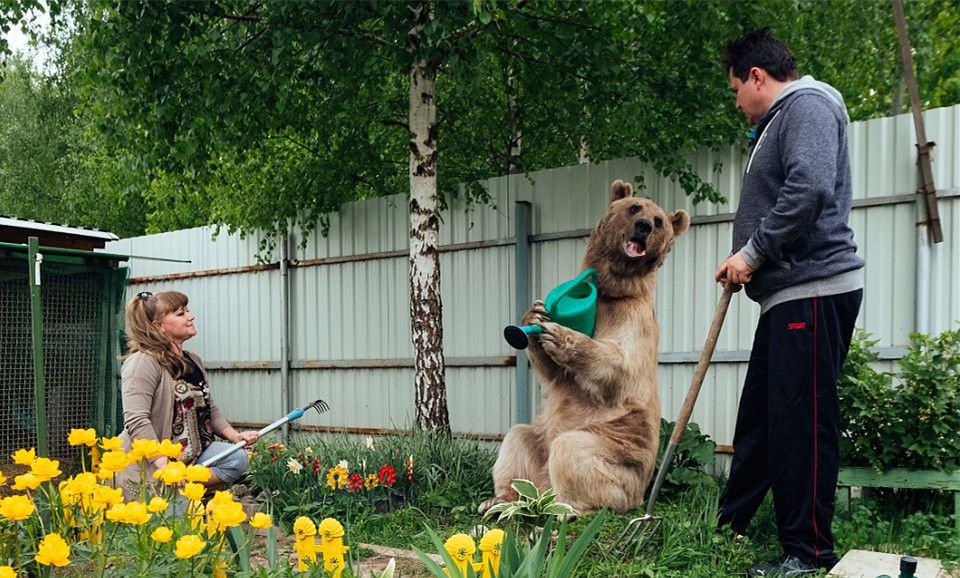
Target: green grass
point(452, 478)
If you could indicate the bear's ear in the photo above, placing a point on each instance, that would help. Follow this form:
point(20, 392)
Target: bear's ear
point(620, 190)
point(681, 222)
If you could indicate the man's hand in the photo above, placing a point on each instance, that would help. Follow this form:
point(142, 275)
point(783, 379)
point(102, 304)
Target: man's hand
point(733, 269)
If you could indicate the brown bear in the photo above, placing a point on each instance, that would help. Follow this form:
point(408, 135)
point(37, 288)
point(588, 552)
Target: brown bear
point(595, 442)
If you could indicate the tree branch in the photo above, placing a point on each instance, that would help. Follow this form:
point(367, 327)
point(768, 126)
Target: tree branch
point(247, 17)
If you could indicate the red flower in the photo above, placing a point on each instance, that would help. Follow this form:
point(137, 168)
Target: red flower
point(316, 467)
point(356, 482)
point(388, 475)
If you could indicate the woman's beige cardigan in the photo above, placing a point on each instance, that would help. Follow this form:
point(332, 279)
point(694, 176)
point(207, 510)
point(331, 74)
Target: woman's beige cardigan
point(147, 391)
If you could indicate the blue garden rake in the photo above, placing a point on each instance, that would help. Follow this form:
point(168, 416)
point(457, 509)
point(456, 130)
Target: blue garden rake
point(319, 405)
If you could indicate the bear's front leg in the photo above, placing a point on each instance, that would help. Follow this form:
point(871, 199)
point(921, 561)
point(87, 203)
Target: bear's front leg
point(542, 364)
point(598, 366)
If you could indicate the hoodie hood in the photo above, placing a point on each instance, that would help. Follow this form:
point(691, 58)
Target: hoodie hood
point(809, 82)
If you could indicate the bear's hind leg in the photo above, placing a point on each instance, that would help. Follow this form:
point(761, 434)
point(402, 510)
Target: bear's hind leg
point(587, 474)
point(523, 454)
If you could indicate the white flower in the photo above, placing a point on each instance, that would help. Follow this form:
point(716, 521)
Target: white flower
point(343, 464)
point(308, 450)
point(294, 466)
point(369, 442)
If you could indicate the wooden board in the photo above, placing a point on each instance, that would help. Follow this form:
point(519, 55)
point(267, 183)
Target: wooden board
point(866, 564)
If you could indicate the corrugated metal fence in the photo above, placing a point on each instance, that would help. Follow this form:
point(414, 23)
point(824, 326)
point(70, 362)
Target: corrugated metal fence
point(349, 313)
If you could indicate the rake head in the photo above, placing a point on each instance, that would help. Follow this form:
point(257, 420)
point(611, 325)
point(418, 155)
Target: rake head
point(637, 535)
point(319, 405)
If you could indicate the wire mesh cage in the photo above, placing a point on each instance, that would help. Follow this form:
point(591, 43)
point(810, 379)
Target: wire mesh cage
point(80, 304)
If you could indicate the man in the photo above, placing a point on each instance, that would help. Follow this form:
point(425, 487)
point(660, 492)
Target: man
point(794, 254)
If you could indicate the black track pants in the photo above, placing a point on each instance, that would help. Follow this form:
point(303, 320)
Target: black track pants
point(788, 424)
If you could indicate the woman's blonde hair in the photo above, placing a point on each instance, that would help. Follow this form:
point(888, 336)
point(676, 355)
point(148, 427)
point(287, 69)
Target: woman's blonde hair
point(142, 335)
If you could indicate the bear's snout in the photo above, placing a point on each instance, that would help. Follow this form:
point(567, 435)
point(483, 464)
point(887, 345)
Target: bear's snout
point(642, 228)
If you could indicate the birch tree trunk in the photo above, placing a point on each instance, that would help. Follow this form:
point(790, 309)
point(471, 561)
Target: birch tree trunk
point(426, 316)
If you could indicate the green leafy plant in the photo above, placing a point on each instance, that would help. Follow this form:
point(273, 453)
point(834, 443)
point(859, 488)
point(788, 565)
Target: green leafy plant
point(531, 509)
point(424, 470)
point(541, 560)
point(910, 419)
point(695, 452)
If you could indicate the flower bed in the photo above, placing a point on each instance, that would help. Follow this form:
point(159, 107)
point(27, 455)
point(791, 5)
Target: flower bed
point(171, 530)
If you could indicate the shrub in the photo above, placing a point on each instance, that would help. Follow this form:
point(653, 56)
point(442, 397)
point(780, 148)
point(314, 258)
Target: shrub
point(913, 423)
point(695, 452)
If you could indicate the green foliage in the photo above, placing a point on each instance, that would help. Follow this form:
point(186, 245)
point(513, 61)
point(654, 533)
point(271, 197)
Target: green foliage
point(695, 452)
point(912, 423)
point(53, 165)
point(541, 560)
point(449, 474)
point(531, 509)
point(870, 525)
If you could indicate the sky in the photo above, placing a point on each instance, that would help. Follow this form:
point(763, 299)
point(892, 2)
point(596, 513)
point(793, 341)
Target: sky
point(19, 42)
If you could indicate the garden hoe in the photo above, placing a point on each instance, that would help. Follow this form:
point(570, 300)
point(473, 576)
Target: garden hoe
point(645, 528)
point(319, 405)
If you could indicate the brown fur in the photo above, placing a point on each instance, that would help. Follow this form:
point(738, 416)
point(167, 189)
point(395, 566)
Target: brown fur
point(596, 440)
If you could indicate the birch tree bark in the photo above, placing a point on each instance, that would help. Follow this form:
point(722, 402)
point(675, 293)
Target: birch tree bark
point(426, 308)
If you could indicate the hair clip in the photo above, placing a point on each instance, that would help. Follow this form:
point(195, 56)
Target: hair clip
point(144, 295)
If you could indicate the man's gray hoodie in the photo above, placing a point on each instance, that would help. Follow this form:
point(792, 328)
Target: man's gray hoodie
point(791, 223)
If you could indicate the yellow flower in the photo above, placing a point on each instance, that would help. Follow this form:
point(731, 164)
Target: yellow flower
point(222, 496)
point(461, 547)
point(117, 512)
point(189, 546)
point(104, 496)
point(26, 481)
point(24, 457)
point(173, 474)
point(330, 529)
point(197, 474)
point(303, 527)
point(337, 477)
point(157, 505)
point(136, 514)
point(114, 461)
point(83, 483)
point(3, 480)
point(82, 437)
point(162, 534)
point(17, 507)
point(371, 481)
point(53, 551)
point(113, 444)
point(261, 520)
point(145, 448)
point(226, 515)
point(193, 491)
point(492, 541)
point(170, 449)
point(7, 572)
point(490, 546)
point(45, 469)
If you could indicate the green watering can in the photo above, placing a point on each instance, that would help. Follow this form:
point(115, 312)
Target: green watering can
point(572, 304)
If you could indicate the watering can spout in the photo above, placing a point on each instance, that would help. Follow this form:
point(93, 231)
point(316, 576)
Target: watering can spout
point(572, 304)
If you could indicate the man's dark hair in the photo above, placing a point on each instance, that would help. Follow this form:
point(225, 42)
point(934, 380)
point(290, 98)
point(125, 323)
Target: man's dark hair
point(759, 48)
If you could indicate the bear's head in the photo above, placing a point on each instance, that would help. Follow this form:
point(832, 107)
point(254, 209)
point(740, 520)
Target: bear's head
point(632, 239)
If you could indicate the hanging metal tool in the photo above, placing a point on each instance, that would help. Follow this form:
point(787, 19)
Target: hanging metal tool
point(924, 148)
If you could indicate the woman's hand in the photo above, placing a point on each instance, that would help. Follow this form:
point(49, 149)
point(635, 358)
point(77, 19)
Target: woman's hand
point(250, 437)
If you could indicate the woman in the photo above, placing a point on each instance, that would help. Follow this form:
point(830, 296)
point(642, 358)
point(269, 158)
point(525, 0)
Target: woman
point(166, 394)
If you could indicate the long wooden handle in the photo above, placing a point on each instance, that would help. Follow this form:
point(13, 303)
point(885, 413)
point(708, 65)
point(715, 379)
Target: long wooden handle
point(684, 418)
